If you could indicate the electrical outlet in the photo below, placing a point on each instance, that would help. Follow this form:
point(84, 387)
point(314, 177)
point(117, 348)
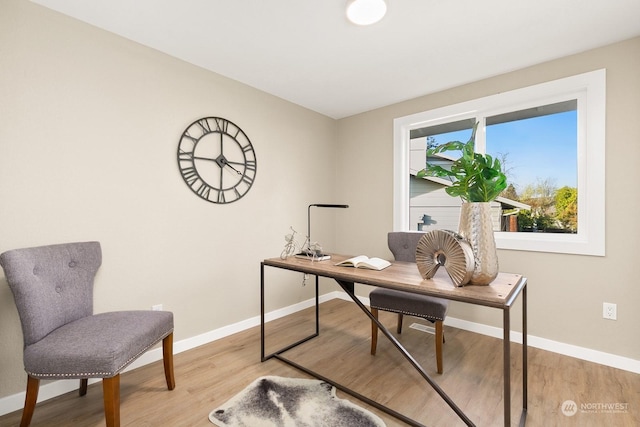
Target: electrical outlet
point(157, 307)
point(609, 311)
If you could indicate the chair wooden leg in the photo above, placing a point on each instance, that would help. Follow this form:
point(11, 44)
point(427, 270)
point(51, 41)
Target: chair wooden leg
point(111, 391)
point(33, 385)
point(374, 332)
point(439, 341)
point(84, 382)
point(167, 357)
point(400, 317)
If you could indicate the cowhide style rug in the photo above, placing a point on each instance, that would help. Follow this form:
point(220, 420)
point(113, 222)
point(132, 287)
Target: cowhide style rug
point(288, 402)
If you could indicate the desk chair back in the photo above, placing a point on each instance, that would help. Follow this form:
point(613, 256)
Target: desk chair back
point(51, 285)
point(403, 246)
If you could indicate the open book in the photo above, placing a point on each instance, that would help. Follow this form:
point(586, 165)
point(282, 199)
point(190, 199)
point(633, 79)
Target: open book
point(364, 261)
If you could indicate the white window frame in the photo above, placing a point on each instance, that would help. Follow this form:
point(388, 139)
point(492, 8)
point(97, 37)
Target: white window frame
point(590, 91)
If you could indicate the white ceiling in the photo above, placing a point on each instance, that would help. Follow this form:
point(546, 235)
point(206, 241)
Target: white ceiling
point(305, 51)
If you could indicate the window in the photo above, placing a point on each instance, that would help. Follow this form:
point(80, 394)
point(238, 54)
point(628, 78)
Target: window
point(551, 138)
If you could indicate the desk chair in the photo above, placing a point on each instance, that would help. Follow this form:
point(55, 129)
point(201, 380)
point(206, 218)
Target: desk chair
point(403, 246)
point(63, 339)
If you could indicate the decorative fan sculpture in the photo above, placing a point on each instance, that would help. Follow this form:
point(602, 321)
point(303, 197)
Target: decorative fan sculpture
point(448, 249)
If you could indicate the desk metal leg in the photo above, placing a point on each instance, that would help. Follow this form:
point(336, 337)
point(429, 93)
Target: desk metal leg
point(262, 312)
point(525, 361)
point(506, 345)
point(506, 324)
point(264, 357)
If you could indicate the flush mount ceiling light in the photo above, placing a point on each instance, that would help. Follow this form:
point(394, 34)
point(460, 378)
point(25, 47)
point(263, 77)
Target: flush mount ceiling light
point(366, 12)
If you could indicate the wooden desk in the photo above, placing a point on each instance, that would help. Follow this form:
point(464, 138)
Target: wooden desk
point(404, 276)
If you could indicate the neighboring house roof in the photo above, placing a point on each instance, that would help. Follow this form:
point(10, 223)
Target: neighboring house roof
point(499, 199)
point(513, 203)
point(445, 157)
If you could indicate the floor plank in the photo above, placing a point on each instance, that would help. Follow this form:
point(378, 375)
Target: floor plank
point(209, 375)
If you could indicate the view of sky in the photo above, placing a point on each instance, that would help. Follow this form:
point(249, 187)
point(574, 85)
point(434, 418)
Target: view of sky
point(536, 149)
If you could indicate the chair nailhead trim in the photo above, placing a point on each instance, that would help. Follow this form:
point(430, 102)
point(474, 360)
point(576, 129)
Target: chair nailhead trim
point(98, 374)
point(422, 316)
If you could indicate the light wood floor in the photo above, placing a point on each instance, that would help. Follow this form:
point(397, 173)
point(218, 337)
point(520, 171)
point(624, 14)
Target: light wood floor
point(209, 375)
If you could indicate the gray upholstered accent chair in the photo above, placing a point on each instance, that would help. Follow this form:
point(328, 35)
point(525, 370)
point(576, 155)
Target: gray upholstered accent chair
point(403, 246)
point(63, 339)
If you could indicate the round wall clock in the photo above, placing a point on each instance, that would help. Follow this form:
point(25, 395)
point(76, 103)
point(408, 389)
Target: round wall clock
point(216, 160)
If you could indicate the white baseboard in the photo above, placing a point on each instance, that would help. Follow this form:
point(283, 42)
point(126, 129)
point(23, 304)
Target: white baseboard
point(49, 390)
point(608, 359)
point(602, 358)
point(56, 388)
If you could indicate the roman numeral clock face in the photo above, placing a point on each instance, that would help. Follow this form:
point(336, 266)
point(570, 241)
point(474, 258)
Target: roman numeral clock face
point(216, 160)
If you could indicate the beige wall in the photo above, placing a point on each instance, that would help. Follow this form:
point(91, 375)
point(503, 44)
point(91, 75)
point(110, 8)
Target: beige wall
point(89, 125)
point(566, 292)
point(89, 129)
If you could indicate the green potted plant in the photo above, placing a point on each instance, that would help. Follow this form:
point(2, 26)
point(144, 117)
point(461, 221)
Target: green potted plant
point(477, 179)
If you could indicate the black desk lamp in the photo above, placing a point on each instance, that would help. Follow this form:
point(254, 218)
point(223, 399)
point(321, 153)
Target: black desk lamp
point(316, 253)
